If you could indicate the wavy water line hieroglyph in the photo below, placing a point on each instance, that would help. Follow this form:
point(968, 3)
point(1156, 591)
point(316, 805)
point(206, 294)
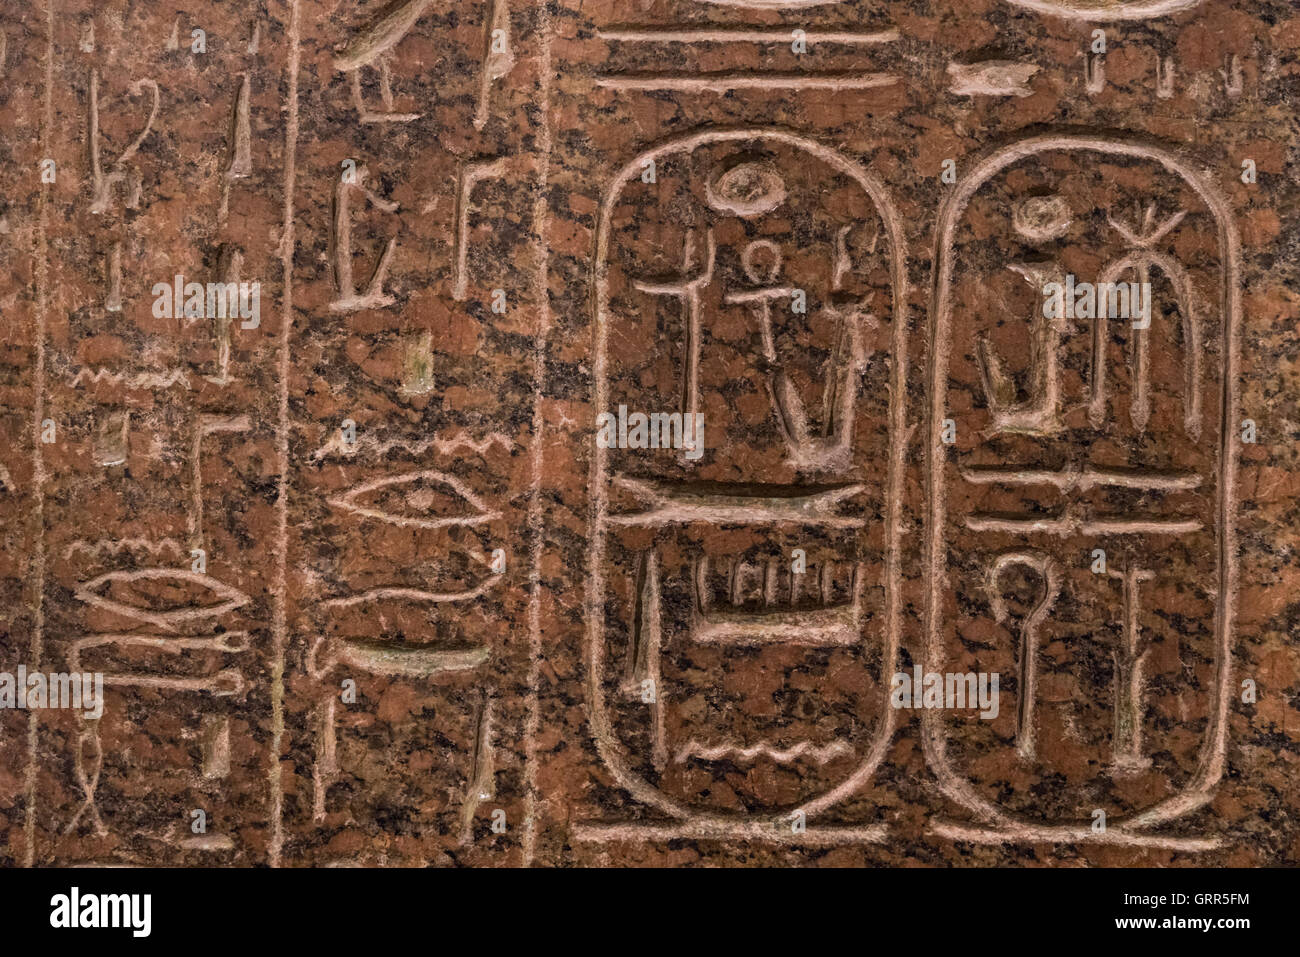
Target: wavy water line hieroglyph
point(412, 447)
point(818, 754)
point(138, 380)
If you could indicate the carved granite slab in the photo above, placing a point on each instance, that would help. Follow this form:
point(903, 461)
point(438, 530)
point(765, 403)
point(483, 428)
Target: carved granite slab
point(548, 433)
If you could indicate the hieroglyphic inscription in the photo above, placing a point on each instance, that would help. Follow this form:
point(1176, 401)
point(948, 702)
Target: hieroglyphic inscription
point(1069, 473)
point(729, 306)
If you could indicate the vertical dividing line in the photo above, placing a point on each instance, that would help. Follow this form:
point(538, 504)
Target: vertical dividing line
point(37, 602)
point(279, 626)
point(541, 292)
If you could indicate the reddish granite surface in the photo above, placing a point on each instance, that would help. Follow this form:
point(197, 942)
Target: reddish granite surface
point(364, 586)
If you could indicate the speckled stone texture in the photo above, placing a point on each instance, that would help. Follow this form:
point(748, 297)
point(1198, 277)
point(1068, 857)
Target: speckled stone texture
point(367, 586)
